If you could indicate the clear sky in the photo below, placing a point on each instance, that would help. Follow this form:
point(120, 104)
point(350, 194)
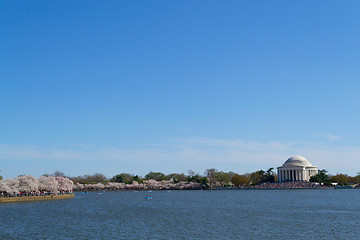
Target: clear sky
point(139, 86)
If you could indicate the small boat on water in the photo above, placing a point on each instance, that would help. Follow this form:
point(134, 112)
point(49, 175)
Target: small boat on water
point(148, 197)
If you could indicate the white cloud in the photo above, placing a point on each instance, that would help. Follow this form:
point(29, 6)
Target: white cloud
point(331, 137)
point(196, 153)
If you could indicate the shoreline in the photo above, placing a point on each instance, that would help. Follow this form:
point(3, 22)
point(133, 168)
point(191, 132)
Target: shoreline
point(35, 198)
point(215, 189)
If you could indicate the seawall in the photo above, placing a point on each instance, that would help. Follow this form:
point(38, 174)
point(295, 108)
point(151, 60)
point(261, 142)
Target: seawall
point(35, 198)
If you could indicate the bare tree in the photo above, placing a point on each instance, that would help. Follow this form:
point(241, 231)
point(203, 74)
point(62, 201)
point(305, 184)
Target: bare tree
point(59, 173)
point(210, 174)
point(191, 173)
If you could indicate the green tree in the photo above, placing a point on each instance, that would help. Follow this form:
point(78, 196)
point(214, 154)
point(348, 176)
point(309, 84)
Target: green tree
point(137, 179)
point(177, 177)
point(257, 177)
point(270, 171)
point(158, 176)
point(90, 179)
point(238, 180)
point(357, 178)
point(321, 177)
point(269, 176)
point(194, 178)
point(1, 176)
point(263, 177)
point(223, 178)
point(123, 178)
point(79, 179)
point(231, 174)
point(340, 179)
point(204, 182)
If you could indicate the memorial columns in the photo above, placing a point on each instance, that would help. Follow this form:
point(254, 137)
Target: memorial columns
point(279, 175)
point(296, 168)
point(288, 175)
point(298, 175)
point(304, 172)
point(294, 175)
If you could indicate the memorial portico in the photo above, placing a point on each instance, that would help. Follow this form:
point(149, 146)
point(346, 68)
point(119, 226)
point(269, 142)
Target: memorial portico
point(296, 168)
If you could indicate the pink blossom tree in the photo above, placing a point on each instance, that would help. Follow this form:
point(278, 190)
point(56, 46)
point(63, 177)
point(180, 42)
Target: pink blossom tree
point(48, 183)
point(27, 183)
point(10, 186)
point(64, 184)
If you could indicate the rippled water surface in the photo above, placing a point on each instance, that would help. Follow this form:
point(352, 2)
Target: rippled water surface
point(225, 214)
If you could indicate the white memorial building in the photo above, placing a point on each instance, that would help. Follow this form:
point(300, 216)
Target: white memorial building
point(296, 168)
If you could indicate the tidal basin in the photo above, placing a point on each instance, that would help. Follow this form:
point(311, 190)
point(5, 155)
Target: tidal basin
point(222, 214)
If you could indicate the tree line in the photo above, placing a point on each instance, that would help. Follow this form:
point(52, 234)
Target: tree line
point(214, 177)
point(340, 179)
point(211, 177)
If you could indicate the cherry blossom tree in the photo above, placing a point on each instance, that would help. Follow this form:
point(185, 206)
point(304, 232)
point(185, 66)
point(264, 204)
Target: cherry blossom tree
point(64, 184)
point(10, 186)
point(27, 183)
point(48, 183)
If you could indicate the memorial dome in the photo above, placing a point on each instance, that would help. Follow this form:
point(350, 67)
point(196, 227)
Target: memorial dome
point(296, 168)
point(297, 161)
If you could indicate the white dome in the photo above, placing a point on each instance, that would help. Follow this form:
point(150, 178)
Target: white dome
point(297, 161)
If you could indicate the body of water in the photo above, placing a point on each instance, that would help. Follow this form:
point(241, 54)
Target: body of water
point(222, 214)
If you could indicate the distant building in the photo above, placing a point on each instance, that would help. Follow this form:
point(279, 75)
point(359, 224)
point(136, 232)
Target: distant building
point(296, 168)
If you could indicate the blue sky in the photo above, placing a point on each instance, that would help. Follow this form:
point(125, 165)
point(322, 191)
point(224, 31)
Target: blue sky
point(168, 86)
